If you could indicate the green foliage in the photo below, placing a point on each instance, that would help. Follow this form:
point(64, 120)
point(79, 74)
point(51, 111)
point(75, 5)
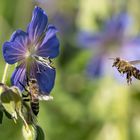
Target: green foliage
point(1, 116)
point(83, 108)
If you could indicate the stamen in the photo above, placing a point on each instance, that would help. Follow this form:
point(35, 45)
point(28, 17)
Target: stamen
point(38, 70)
point(27, 54)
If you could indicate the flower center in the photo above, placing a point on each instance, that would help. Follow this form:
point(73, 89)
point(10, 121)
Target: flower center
point(30, 51)
point(27, 54)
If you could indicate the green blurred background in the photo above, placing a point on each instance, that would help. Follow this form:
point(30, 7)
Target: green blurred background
point(83, 108)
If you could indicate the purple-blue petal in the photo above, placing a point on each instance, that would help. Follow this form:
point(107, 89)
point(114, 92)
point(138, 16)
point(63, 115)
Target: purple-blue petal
point(89, 39)
point(117, 25)
point(50, 45)
point(50, 33)
point(19, 35)
point(45, 78)
point(15, 50)
point(19, 76)
point(38, 24)
point(12, 52)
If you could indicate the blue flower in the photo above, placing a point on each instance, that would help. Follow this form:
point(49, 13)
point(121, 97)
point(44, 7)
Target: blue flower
point(39, 40)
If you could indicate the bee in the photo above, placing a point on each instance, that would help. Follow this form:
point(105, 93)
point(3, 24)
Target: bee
point(128, 68)
point(34, 95)
point(32, 89)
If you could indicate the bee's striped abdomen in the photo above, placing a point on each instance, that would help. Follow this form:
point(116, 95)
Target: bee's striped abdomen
point(136, 73)
point(35, 106)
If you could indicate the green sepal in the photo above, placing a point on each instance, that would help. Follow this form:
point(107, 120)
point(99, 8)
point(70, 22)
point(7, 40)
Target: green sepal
point(40, 134)
point(29, 132)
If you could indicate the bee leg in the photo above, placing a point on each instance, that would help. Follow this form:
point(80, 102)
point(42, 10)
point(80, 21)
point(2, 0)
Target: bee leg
point(130, 81)
point(128, 77)
point(121, 72)
point(28, 93)
point(118, 68)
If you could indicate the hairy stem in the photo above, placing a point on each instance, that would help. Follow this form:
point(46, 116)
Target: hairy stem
point(5, 73)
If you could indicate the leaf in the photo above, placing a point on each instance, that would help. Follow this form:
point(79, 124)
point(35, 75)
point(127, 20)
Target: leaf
point(11, 101)
point(7, 114)
point(8, 103)
point(16, 95)
point(40, 133)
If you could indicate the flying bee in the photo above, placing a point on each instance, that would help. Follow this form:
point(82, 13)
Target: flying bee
point(34, 95)
point(127, 67)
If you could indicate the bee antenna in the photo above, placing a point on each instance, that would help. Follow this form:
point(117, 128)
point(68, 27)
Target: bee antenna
point(111, 58)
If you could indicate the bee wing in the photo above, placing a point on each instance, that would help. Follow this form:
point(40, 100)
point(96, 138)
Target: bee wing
point(134, 62)
point(45, 97)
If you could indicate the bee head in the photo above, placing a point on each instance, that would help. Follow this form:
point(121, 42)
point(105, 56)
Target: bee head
point(116, 61)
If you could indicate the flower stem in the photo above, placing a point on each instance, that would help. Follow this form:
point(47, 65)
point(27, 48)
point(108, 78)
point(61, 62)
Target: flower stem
point(5, 73)
point(4, 76)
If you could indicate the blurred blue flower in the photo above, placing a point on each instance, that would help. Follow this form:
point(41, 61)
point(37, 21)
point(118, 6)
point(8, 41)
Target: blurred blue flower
point(113, 34)
point(40, 40)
